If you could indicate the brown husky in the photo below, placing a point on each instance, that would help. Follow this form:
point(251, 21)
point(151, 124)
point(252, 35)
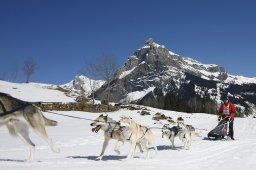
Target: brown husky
point(111, 130)
point(136, 133)
point(19, 116)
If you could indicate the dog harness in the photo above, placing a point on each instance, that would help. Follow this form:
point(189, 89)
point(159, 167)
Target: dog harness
point(175, 129)
point(144, 133)
point(13, 110)
point(110, 129)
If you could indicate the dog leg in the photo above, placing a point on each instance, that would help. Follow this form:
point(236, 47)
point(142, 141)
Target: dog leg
point(141, 145)
point(21, 130)
point(105, 144)
point(189, 141)
point(172, 141)
point(186, 146)
point(131, 152)
point(154, 147)
point(186, 143)
point(40, 130)
point(147, 156)
point(118, 144)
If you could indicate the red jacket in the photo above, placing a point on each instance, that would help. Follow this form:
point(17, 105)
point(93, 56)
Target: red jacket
point(227, 110)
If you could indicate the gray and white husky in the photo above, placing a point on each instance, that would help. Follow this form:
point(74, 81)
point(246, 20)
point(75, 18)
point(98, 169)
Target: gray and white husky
point(19, 116)
point(186, 133)
point(111, 130)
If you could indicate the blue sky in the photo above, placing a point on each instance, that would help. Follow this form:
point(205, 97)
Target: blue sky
point(61, 34)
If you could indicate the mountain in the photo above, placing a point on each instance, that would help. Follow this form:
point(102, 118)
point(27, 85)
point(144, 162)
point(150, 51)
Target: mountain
point(154, 71)
point(82, 85)
point(80, 146)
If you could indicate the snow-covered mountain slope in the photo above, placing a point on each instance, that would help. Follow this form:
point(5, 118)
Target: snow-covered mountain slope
point(155, 67)
point(34, 92)
point(82, 85)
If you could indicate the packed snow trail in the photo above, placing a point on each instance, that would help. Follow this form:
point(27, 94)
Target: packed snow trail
point(80, 146)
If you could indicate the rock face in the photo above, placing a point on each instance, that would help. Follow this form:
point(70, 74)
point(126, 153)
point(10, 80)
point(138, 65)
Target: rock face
point(153, 70)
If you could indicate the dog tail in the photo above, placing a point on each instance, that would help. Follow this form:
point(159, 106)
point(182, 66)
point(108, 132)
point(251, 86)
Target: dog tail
point(194, 134)
point(49, 122)
point(11, 128)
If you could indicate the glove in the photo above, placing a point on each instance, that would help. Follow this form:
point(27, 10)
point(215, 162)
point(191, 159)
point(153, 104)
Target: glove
point(231, 118)
point(227, 118)
point(219, 118)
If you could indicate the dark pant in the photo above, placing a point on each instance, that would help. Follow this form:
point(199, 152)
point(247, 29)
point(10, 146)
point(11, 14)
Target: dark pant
point(231, 130)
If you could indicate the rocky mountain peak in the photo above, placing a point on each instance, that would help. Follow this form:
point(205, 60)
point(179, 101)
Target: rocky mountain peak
point(153, 71)
point(150, 42)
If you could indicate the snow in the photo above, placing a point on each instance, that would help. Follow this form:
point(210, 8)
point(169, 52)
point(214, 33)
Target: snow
point(240, 80)
point(83, 85)
point(125, 73)
point(204, 70)
point(80, 146)
point(136, 95)
point(34, 92)
point(157, 46)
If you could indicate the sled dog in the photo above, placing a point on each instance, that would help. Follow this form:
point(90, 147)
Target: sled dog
point(135, 133)
point(19, 116)
point(186, 133)
point(111, 130)
point(170, 133)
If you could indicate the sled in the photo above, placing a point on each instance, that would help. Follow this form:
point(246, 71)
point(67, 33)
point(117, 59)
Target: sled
point(220, 131)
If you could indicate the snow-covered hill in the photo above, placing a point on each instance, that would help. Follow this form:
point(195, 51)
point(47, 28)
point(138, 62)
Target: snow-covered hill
point(80, 86)
point(80, 146)
point(34, 92)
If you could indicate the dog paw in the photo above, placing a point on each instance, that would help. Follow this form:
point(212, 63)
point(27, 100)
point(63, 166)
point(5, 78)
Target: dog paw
point(28, 160)
point(98, 158)
point(56, 150)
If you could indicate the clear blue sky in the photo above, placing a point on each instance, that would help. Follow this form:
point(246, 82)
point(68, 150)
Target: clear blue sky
point(61, 34)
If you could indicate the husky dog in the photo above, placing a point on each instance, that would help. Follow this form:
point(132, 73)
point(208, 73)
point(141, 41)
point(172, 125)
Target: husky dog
point(136, 133)
point(111, 130)
point(186, 133)
point(19, 116)
point(170, 133)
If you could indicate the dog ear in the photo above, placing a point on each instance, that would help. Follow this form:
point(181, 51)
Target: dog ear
point(180, 119)
point(101, 115)
point(105, 118)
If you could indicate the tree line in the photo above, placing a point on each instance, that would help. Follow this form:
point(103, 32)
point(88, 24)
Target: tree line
point(190, 105)
point(29, 67)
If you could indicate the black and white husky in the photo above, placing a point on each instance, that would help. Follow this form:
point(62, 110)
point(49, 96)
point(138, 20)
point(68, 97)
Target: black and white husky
point(170, 133)
point(19, 116)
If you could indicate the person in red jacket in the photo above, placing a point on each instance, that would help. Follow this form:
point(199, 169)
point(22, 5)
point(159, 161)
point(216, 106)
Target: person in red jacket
point(227, 111)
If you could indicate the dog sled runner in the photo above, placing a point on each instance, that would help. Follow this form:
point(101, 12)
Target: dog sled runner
point(220, 131)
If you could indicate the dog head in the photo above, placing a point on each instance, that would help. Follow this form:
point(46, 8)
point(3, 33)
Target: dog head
point(125, 123)
point(181, 124)
point(165, 129)
point(99, 122)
